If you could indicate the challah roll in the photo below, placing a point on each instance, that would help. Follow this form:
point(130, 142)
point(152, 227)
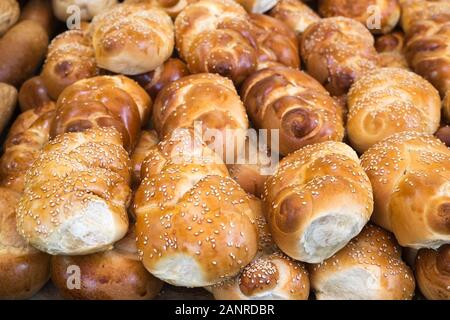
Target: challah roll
point(270, 276)
point(88, 8)
point(379, 16)
point(214, 36)
point(154, 81)
point(410, 175)
point(369, 267)
point(427, 25)
point(116, 274)
point(23, 269)
point(70, 58)
point(9, 14)
point(103, 101)
point(297, 15)
point(33, 94)
point(293, 102)
point(318, 199)
point(276, 42)
point(433, 273)
point(194, 224)
point(147, 140)
point(8, 101)
point(206, 100)
point(391, 50)
point(132, 38)
point(387, 101)
point(338, 51)
point(76, 194)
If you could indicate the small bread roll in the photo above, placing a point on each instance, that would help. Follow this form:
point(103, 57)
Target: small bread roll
point(9, 14)
point(8, 101)
point(318, 199)
point(194, 223)
point(338, 51)
point(369, 267)
point(410, 175)
point(433, 273)
point(33, 94)
point(290, 100)
point(147, 140)
point(88, 8)
point(388, 101)
point(23, 269)
point(297, 15)
point(76, 194)
point(116, 274)
point(391, 50)
point(379, 16)
point(132, 38)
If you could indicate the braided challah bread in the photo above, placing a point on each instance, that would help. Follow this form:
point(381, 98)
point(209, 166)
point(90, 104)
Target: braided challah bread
point(318, 199)
point(338, 51)
point(433, 273)
point(103, 101)
point(194, 224)
point(297, 15)
point(70, 58)
point(33, 94)
point(379, 16)
point(147, 140)
point(387, 101)
point(132, 38)
point(88, 8)
point(215, 36)
point(391, 50)
point(410, 175)
point(369, 267)
point(293, 102)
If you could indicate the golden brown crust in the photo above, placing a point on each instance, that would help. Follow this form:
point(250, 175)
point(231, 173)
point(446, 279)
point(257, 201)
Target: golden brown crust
point(116, 274)
point(297, 15)
point(147, 140)
point(433, 273)
point(338, 51)
point(388, 101)
point(391, 50)
point(132, 38)
point(33, 94)
point(23, 269)
point(70, 58)
point(364, 11)
point(39, 11)
point(199, 230)
point(8, 101)
point(368, 267)
point(409, 172)
point(293, 102)
point(443, 134)
point(9, 14)
point(214, 36)
point(317, 200)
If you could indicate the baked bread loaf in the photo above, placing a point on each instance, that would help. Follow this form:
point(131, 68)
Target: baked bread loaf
point(293, 102)
point(171, 7)
point(426, 24)
point(388, 101)
point(214, 36)
point(23, 269)
point(132, 38)
point(338, 51)
point(270, 276)
point(153, 81)
point(410, 173)
point(33, 94)
point(257, 6)
point(204, 101)
point(297, 15)
point(8, 101)
point(433, 273)
point(147, 140)
point(391, 50)
point(116, 274)
point(276, 42)
point(39, 11)
point(70, 58)
point(76, 194)
point(379, 16)
point(103, 101)
point(318, 199)
point(88, 8)
point(194, 223)
point(9, 14)
point(369, 267)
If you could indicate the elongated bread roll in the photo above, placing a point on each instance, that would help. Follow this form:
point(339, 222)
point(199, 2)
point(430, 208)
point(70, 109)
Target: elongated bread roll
point(297, 15)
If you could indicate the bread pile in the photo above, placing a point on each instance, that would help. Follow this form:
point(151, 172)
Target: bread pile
point(258, 149)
